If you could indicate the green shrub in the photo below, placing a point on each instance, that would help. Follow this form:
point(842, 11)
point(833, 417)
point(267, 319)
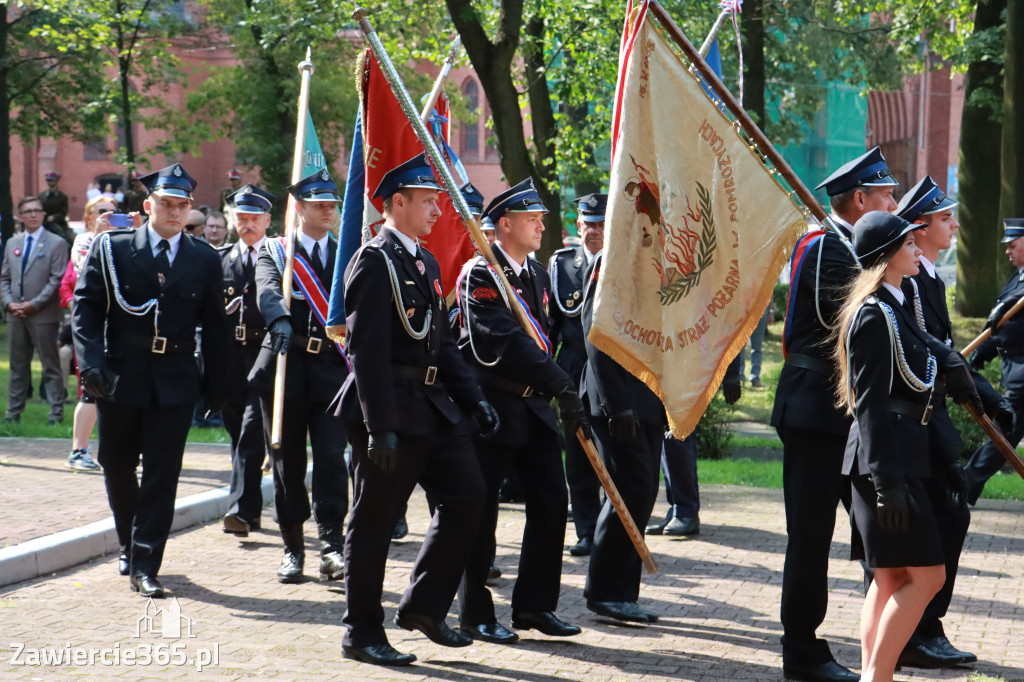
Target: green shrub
point(713, 432)
point(780, 298)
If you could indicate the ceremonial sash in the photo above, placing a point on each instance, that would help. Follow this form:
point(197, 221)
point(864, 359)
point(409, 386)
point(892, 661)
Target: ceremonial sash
point(303, 276)
point(796, 265)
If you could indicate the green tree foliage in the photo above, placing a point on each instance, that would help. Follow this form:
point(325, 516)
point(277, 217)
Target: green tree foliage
point(254, 102)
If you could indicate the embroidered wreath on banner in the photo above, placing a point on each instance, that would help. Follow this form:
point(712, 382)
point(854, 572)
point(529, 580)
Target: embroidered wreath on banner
point(679, 286)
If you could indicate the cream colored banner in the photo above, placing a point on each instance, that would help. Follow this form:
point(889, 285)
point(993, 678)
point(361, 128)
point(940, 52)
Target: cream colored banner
point(696, 235)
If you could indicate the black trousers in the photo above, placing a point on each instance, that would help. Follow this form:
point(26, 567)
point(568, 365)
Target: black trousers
point(987, 460)
point(584, 488)
point(142, 512)
point(243, 420)
point(813, 487)
point(445, 465)
point(330, 476)
point(615, 567)
point(538, 583)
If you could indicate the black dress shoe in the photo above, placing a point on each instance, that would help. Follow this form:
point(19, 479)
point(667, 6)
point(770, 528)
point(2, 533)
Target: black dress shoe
point(147, 586)
point(544, 621)
point(829, 671)
point(254, 524)
point(437, 631)
point(401, 529)
point(122, 561)
point(583, 547)
point(688, 525)
point(921, 655)
point(620, 610)
point(233, 523)
point(493, 573)
point(944, 646)
point(656, 527)
point(490, 632)
point(378, 654)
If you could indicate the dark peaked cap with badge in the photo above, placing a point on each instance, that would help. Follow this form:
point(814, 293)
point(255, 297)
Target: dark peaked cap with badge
point(923, 198)
point(592, 207)
point(521, 198)
point(875, 231)
point(1014, 228)
point(316, 187)
point(251, 199)
point(474, 199)
point(416, 172)
point(173, 181)
point(868, 170)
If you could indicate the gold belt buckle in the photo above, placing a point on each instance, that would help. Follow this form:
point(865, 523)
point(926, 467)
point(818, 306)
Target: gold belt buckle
point(528, 392)
point(240, 333)
point(431, 376)
point(926, 417)
point(313, 345)
point(159, 344)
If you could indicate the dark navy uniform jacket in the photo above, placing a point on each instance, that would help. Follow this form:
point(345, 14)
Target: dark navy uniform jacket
point(309, 377)
point(566, 270)
point(497, 347)
point(382, 392)
point(190, 298)
point(241, 356)
point(1008, 340)
point(885, 444)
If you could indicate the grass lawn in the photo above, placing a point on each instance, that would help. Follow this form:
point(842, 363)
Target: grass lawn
point(33, 419)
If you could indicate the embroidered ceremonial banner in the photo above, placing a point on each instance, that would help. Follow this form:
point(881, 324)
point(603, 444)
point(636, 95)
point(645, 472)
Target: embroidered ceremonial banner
point(385, 138)
point(697, 229)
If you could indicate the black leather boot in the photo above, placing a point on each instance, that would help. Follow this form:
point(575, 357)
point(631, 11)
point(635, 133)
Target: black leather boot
point(332, 542)
point(294, 555)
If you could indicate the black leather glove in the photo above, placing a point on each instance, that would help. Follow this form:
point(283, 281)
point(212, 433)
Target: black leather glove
point(956, 485)
point(486, 418)
point(280, 335)
point(893, 507)
point(214, 406)
point(383, 450)
point(570, 408)
point(998, 311)
point(99, 382)
point(977, 362)
point(1003, 415)
point(623, 425)
point(732, 390)
point(959, 382)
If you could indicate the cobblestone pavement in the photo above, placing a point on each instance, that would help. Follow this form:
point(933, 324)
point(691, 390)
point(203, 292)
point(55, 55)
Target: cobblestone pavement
point(717, 593)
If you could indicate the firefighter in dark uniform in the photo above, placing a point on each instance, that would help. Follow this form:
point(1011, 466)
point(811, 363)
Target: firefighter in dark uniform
point(243, 418)
point(405, 406)
point(519, 378)
point(629, 424)
point(1007, 342)
point(316, 367)
point(925, 204)
point(812, 429)
point(140, 296)
point(566, 269)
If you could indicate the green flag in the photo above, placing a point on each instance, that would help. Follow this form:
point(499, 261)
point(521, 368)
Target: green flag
point(312, 155)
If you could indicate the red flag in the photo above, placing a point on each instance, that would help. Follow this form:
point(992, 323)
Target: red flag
point(389, 140)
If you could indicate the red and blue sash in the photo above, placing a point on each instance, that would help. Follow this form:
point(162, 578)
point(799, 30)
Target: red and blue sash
point(796, 265)
point(308, 283)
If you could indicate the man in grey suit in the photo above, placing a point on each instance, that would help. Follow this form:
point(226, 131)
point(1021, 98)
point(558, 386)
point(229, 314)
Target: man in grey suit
point(34, 262)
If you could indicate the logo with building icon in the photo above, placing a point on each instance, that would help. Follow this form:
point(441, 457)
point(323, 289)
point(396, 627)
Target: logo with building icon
point(165, 622)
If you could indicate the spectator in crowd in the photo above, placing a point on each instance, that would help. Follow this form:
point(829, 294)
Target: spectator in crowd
point(215, 230)
point(96, 219)
point(133, 198)
point(55, 205)
point(34, 262)
point(196, 224)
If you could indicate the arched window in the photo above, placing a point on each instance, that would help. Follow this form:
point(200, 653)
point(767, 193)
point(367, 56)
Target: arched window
point(471, 129)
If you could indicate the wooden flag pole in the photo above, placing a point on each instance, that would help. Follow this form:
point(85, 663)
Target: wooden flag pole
point(405, 101)
point(985, 334)
point(290, 230)
point(993, 432)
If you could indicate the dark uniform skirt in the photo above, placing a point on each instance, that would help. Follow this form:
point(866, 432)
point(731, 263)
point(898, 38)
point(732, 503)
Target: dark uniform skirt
point(920, 545)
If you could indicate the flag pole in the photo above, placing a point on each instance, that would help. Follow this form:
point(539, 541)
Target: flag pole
point(405, 101)
point(290, 230)
point(706, 47)
point(446, 68)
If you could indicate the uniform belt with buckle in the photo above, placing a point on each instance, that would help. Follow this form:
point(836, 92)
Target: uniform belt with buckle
point(246, 335)
point(521, 390)
point(311, 344)
point(160, 344)
point(912, 410)
point(428, 375)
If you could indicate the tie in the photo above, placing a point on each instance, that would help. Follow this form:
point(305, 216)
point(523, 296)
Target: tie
point(28, 252)
point(247, 265)
point(528, 292)
point(163, 263)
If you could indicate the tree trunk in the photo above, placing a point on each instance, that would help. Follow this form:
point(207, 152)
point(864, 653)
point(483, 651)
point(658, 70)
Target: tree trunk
point(6, 203)
point(545, 172)
point(1011, 200)
point(752, 27)
point(979, 172)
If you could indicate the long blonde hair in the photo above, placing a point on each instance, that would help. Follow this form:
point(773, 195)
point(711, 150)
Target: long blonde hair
point(89, 212)
point(864, 285)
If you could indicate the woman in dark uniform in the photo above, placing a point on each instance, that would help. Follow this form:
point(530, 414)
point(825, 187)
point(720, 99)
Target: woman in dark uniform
point(886, 380)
